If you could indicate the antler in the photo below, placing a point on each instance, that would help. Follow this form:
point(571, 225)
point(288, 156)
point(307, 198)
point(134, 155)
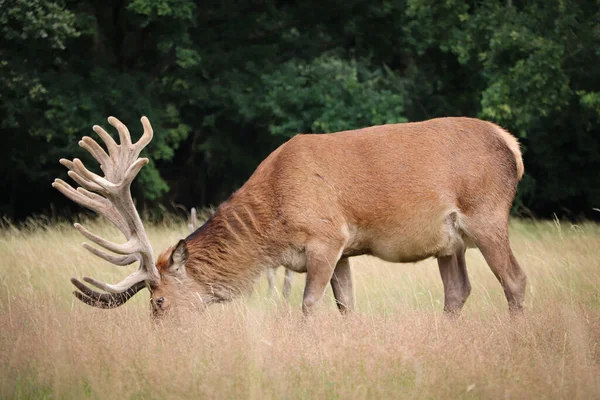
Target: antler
point(193, 224)
point(110, 196)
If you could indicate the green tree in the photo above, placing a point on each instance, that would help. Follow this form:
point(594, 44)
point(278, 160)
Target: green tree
point(62, 70)
point(226, 82)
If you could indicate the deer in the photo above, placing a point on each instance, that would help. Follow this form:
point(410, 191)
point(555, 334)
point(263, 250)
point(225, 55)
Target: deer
point(399, 192)
point(287, 279)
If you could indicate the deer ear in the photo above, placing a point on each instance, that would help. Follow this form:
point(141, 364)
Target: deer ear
point(180, 254)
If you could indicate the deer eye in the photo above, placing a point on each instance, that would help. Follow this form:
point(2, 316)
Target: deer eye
point(157, 303)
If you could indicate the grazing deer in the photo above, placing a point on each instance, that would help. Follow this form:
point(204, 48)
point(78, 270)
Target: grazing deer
point(403, 193)
point(287, 280)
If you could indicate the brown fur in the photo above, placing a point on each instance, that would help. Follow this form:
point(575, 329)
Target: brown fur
point(401, 192)
point(163, 260)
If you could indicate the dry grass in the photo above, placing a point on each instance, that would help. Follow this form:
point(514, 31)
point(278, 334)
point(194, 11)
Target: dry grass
point(398, 344)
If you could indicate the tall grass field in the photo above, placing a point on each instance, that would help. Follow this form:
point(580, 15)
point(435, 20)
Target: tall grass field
point(398, 344)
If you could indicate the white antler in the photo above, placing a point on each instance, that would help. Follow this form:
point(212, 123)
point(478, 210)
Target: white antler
point(110, 196)
point(193, 223)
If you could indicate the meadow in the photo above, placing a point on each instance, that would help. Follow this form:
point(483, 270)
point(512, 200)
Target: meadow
point(398, 344)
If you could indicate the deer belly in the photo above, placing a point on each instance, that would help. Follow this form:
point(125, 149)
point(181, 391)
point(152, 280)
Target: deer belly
point(294, 260)
point(402, 244)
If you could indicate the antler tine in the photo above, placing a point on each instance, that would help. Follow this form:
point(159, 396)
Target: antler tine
point(104, 300)
point(134, 169)
point(81, 170)
point(126, 248)
point(75, 195)
point(110, 196)
point(92, 195)
point(137, 276)
point(124, 135)
point(78, 178)
point(95, 150)
point(193, 224)
point(147, 136)
point(127, 259)
point(110, 143)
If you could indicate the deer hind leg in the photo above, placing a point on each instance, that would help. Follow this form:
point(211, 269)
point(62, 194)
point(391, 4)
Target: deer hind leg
point(457, 287)
point(341, 283)
point(287, 283)
point(494, 245)
point(321, 261)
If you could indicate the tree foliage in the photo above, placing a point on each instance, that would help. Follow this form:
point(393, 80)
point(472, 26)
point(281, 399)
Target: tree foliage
point(225, 82)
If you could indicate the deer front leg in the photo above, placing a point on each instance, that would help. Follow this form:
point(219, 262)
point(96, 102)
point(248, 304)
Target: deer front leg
point(341, 283)
point(320, 264)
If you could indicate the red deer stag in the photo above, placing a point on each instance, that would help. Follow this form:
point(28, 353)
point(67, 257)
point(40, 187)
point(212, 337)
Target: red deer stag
point(402, 193)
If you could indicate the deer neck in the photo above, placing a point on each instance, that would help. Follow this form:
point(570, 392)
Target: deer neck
point(229, 251)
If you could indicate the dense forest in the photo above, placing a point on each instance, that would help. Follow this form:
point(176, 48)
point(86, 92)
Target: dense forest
point(225, 82)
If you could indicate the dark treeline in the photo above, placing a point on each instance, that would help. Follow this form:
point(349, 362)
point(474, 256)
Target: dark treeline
point(225, 82)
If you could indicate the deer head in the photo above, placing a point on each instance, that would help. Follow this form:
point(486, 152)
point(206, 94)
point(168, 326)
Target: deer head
point(110, 196)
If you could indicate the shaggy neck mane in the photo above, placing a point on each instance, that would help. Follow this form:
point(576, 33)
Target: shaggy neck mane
point(227, 253)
